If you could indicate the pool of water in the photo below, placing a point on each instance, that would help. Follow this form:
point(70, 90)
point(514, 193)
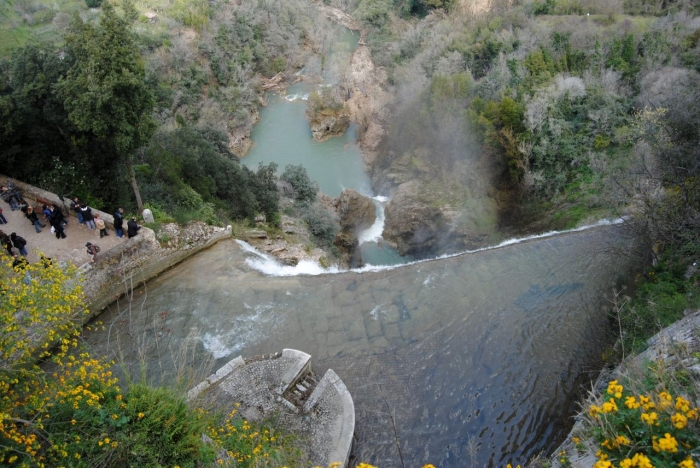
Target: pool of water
point(283, 136)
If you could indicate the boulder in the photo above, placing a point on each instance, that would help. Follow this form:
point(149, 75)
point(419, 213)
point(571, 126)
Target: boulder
point(355, 212)
point(325, 124)
point(411, 225)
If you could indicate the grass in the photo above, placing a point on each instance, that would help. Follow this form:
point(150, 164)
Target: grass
point(25, 21)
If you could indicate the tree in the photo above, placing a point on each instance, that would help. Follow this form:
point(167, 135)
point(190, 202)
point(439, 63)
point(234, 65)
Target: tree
point(105, 91)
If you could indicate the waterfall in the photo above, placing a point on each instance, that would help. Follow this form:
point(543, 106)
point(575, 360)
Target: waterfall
point(271, 267)
point(374, 232)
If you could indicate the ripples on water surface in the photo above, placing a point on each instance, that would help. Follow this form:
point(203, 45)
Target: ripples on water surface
point(486, 350)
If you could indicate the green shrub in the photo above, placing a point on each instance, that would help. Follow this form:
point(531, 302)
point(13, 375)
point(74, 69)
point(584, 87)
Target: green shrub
point(644, 425)
point(93, 3)
point(304, 189)
point(321, 224)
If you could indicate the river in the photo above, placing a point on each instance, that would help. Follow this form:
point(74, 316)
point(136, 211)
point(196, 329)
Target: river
point(480, 356)
point(283, 136)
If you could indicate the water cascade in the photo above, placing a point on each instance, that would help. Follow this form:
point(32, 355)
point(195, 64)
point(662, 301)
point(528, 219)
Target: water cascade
point(477, 355)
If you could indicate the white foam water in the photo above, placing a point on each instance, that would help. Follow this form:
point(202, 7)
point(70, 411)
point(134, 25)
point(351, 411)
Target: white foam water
point(374, 232)
point(271, 267)
point(243, 330)
point(296, 97)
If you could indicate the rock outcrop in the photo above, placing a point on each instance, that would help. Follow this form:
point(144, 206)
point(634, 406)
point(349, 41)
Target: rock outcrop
point(327, 122)
point(418, 225)
point(289, 249)
point(355, 212)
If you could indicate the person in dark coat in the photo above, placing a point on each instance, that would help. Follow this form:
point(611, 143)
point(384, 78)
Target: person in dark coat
point(6, 243)
point(119, 222)
point(57, 224)
point(58, 214)
point(19, 243)
point(75, 206)
point(132, 228)
point(87, 216)
point(34, 219)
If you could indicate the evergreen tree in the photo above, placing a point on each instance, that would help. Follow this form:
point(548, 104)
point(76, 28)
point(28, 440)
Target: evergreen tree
point(105, 92)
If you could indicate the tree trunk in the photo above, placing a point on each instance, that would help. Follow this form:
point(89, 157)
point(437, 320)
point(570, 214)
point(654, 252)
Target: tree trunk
point(134, 184)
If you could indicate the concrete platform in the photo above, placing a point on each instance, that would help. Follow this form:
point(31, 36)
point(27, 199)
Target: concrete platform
point(320, 413)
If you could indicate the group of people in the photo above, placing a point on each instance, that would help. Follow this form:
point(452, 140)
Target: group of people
point(52, 214)
point(92, 220)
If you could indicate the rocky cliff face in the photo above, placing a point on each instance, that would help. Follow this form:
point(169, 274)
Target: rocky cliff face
point(435, 207)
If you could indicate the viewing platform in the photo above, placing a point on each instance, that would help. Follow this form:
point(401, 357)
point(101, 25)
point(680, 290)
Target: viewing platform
point(319, 412)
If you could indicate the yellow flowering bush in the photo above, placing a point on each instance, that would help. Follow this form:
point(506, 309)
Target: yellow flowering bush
point(644, 430)
point(249, 444)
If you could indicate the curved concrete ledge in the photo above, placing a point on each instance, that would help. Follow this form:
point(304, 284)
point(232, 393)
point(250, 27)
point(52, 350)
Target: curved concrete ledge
point(321, 413)
point(345, 427)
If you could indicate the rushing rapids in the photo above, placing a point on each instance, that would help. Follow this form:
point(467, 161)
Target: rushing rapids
point(481, 354)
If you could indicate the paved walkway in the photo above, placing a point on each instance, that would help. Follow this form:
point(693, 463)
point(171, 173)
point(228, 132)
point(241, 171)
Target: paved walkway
point(71, 249)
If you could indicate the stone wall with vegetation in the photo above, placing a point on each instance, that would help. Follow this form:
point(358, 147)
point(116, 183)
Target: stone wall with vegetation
point(132, 263)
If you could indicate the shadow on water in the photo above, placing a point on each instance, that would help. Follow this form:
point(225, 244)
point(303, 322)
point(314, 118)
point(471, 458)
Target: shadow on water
point(476, 357)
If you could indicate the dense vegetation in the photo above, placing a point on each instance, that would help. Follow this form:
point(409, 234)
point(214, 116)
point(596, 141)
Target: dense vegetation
point(571, 109)
point(560, 109)
point(72, 411)
point(123, 107)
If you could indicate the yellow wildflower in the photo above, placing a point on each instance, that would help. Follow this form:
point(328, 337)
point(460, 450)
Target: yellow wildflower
point(603, 464)
point(641, 461)
point(615, 389)
point(679, 421)
point(682, 404)
point(687, 463)
point(631, 402)
point(668, 443)
point(650, 418)
point(665, 400)
point(609, 406)
point(646, 403)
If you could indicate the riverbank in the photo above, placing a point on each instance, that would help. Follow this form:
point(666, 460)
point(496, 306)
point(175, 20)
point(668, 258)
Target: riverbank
point(671, 364)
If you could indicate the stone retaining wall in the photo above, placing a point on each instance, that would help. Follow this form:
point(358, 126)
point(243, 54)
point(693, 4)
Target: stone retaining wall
point(29, 192)
point(134, 262)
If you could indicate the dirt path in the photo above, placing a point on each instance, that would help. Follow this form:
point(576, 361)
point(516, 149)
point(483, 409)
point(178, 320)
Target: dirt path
point(71, 249)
